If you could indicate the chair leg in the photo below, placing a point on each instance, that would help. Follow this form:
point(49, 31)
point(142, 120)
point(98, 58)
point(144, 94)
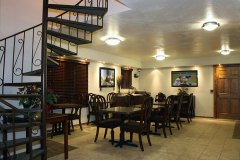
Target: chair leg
point(69, 127)
point(156, 126)
point(177, 125)
point(80, 122)
point(53, 127)
point(180, 122)
point(164, 130)
point(140, 141)
point(88, 118)
point(96, 137)
point(148, 138)
point(169, 126)
point(131, 136)
point(112, 136)
point(105, 133)
point(188, 118)
point(121, 138)
point(72, 125)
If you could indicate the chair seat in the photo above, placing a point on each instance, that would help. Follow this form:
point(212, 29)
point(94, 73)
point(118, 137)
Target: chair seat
point(131, 126)
point(72, 116)
point(110, 123)
point(156, 118)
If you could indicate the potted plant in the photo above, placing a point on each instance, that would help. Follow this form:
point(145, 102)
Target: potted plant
point(119, 82)
point(33, 102)
point(183, 91)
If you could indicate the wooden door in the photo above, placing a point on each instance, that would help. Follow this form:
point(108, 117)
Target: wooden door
point(227, 91)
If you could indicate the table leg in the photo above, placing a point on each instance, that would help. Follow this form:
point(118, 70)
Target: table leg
point(66, 138)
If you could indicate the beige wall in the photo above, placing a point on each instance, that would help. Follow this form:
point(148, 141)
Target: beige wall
point(93, 82)
point(159, 80)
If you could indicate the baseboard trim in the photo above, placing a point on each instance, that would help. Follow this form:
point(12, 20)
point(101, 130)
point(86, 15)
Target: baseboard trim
point(205, 117)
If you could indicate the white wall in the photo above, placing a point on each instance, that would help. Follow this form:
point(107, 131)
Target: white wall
point(159, 80)
point(93, 82)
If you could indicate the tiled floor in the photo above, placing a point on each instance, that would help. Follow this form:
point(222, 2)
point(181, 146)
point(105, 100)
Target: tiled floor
point(203, 139)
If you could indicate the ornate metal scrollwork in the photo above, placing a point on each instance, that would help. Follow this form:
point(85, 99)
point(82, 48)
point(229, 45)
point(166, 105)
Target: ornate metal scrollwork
point(91, 2)
point(37, 62)
point(2, 53)
point(1, 81)
point(18, 71)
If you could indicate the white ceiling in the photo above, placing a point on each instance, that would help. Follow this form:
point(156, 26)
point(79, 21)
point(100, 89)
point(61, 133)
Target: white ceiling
point(173, 26)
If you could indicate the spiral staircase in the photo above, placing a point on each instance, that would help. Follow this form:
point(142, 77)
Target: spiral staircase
point(24, 59)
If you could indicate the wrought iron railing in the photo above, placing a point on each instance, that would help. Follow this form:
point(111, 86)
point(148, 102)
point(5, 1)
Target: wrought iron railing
point(21, 52)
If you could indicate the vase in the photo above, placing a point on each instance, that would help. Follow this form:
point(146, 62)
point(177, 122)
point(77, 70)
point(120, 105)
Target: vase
point(119, 89)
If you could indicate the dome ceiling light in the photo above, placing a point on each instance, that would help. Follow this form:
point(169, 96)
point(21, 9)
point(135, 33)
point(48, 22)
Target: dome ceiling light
point(112, 41)
point(160, 57)
point(210, 26)
point(225, 52)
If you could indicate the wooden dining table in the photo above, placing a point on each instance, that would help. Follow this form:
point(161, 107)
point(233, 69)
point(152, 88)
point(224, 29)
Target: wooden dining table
point(54, 118)
point(123, 112)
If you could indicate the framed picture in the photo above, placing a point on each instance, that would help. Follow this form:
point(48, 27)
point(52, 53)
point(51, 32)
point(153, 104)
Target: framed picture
point(106, 77)
point(187, 78)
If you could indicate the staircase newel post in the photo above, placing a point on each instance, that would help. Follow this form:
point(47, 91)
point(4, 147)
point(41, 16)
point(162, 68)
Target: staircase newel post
point(44, 76)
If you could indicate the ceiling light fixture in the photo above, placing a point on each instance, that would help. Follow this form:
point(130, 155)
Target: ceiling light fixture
point(112, 41)
point(160, 57)
point(225, 52)
point(210, 26)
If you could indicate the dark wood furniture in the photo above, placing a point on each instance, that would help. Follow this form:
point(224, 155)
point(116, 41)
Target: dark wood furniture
point(75, 112)
point(176, 110)
point(59, 118)
point(161, 115)
point(123, 112)
point(102, 120)
point(128, 99)
point(90, 99)
point(139, 127)
point(186, 110)
point(160, 97)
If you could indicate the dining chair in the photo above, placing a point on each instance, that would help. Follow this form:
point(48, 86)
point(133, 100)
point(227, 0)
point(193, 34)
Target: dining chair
point(186, 110)
point(90, 98)
point(103, 120)
point(160, 97)
point(140, 127)
point(176, 111)
point(162, 115)
point(110, 98)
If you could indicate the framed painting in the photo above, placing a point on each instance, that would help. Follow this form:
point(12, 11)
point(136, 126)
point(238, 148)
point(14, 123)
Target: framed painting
point(106, 77)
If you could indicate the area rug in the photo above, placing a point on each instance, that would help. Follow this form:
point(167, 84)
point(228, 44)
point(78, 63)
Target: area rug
point(55, 148)
point(236, 132)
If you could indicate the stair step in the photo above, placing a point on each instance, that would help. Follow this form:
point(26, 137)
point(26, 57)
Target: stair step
point(20, 95)
point(80, 9)
point(51, 62)
point(37, 72)
point(21, 141)
point(22, 84)
point(78, 25)
point(26, 156)
point(60, 51)
point(68, 37)
point(18, 125)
